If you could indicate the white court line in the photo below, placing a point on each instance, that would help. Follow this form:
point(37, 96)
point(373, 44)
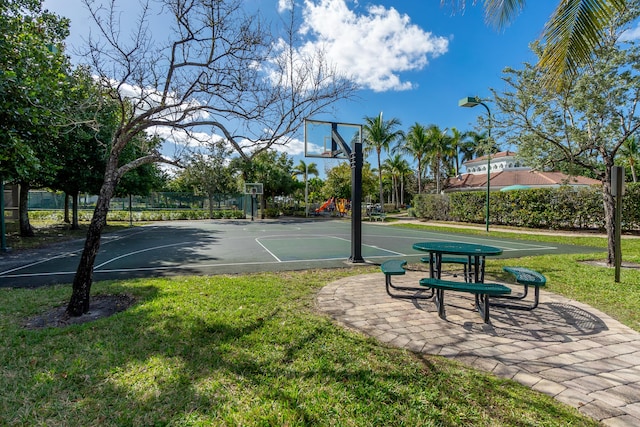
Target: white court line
point(375, 247)
point(54, 273)
point(4, 273)
point(483, 241)
point(139, 252)
point(268, 251)
point(109, 238)
point(310, 237)
point(187, 266)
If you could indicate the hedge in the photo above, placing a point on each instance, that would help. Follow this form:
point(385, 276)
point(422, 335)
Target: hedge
point(147, 215)
point(564, 207)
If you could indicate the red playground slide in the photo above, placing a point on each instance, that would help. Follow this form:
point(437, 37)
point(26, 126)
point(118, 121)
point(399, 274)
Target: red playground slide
point(325, 205)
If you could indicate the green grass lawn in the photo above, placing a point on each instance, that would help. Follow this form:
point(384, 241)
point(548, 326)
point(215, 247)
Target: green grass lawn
point(252, 350)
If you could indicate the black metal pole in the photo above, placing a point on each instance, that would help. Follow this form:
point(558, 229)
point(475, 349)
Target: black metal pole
point(356, 203)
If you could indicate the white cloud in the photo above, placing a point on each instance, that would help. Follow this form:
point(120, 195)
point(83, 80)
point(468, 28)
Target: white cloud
point(145, 98)
point(183, 138)
point(631, 34)
point(293, 147)
point(284, 5)
point(374, 48)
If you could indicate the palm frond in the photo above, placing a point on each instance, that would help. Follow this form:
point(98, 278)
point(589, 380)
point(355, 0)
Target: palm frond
point(572, 34)
point(500, 13)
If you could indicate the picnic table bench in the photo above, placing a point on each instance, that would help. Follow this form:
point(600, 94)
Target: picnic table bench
point(377, 216)
point(481, 291)
point(396, 267)
point(526, 277)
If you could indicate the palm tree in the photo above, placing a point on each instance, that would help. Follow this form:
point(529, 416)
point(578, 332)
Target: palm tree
point(573, 32)
point(630, 150)
point(403, 169)
point(457, 140)
point(416, 144)
point(305, 169)
point(378, 136)
point(470, 146)
point(475, 145)
point(440, 148)
point(397, 167)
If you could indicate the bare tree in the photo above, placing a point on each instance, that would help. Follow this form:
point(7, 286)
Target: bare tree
point(218, 71)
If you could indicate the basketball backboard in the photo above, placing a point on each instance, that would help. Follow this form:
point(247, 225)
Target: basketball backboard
point(253, 188)
point(330, 140)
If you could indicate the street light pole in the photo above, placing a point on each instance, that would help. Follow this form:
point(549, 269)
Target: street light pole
point(472, 101)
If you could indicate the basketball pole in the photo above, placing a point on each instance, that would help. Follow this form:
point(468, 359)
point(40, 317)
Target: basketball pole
point(356, 160)
point(356, 204)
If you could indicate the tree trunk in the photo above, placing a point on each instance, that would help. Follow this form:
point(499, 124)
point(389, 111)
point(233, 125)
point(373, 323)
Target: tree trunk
point(66, 209)
point(210, 205)
point(419, 176)
point(74, 215)
point(437, 176)
point(609, 208)
point(396, 196)
point(380, 183)
point(80, 296)
point(25, 226)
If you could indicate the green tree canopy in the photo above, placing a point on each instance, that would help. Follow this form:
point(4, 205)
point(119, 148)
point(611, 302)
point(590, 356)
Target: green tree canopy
point(581, 128)
point(209, 174)
point(272, 169)
point(33, 84)
point(338, 182)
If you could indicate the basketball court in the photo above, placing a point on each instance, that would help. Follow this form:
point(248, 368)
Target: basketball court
point(242, 246)
point(239, 246)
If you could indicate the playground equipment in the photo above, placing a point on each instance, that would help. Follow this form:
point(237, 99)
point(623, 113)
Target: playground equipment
point(334, 205)
point(342, 205)
point(325, 205)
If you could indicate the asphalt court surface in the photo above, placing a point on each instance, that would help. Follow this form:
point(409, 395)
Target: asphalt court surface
point(228, 246)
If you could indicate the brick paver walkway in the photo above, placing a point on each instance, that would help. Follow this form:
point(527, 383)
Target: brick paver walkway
point(563, 348)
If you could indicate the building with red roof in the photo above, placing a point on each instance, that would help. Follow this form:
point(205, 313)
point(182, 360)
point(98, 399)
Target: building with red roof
point(507, 171)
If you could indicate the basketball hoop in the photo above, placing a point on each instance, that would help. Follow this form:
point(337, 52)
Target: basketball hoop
point(253, 188)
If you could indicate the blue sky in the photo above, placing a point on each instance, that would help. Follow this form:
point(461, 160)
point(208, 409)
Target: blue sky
point(413, 59)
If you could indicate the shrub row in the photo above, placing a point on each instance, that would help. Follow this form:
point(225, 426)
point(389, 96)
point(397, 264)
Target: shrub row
point(555, 208)
point(147, 215)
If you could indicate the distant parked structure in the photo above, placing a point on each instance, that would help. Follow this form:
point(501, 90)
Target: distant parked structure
point(508, 172)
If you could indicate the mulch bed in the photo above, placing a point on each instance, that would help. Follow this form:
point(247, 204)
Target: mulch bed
point(101, 306)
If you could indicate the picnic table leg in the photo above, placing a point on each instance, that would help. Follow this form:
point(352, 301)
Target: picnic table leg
point(432, 272)
point(536, 300)
point(440, 303)
point(476, 270)
point(482, 304)
point(468, 270)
